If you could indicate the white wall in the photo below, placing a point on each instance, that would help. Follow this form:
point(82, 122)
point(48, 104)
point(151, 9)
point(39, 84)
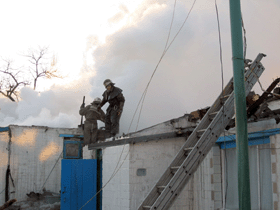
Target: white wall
point(204, 190)
point(4, 139)
point(155, 157)
point(34, 152)
point(127, 190)
point(115, 194)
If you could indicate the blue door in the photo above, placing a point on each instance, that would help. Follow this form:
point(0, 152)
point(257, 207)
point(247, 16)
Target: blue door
point(78, 184)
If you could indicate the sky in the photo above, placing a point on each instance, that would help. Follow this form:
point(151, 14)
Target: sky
point(123, 40)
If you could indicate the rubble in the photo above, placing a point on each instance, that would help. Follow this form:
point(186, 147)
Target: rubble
point(43, 201)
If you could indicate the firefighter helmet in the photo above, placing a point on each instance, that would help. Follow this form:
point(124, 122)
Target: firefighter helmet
point(107, 82)
point(97, 100)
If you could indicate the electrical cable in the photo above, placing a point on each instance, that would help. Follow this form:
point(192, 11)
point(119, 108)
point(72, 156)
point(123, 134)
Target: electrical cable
point(163, 54)
point(51, 170)
point(2, 191)
point(113, 175)
point(145, 91)
point(245, 50)
point(244, 37)
point(222, 77)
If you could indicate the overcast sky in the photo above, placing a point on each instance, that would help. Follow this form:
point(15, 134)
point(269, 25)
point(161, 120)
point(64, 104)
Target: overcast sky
point(123, 41)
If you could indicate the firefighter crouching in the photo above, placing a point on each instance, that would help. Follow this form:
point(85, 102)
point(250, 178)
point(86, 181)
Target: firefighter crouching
point(92, 114)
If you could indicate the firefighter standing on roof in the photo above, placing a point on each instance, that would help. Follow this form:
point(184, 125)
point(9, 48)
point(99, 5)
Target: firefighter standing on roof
point(113, 95)
point(92, 114)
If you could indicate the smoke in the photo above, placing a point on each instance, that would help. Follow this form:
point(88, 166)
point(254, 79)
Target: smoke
point(184, 77)
point(57, 107)
point(188, 77)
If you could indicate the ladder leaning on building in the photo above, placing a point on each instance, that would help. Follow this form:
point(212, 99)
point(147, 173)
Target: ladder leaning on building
point(199, 143)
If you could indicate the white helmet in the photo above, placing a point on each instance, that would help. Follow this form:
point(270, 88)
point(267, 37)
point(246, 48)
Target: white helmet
point(97, 100)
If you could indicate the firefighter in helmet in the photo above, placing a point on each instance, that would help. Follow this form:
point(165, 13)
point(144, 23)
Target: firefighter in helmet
point(92, 114)
point(113, 95)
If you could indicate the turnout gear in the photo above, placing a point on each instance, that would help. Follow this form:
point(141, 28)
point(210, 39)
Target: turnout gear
point(116, 101)
point(92, 114)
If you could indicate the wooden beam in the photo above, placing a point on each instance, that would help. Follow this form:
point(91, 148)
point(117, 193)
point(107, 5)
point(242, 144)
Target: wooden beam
point(133, 140)
point(7, 204)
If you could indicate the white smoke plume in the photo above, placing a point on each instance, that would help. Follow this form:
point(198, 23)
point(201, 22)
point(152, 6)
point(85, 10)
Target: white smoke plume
point(188, 77)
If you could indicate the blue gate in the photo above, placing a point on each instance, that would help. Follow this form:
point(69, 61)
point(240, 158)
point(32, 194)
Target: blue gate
point(78, 184)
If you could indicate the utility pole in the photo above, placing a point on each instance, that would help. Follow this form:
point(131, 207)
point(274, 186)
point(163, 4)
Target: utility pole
point(240, 106)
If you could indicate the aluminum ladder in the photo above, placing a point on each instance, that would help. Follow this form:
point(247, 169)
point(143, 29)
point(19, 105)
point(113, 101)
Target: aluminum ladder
point(199, 143)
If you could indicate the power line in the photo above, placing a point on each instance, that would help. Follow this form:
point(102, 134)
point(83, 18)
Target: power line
point(244, 37)
point(52, 170)
point(222, 77)
point(163, 54)
point(113, 175)
point(145, 91)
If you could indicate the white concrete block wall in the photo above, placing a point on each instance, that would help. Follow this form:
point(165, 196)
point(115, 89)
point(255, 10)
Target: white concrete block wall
point(154, 157)
point(34, 152)
point(116, 193)
point(199, 192)
point(88, 154)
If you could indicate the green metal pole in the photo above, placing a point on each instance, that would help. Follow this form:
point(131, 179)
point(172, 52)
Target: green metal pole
point(240, 107)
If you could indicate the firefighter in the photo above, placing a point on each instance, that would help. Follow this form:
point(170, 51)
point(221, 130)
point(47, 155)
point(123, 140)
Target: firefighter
point(92, 114)
point(113, 95)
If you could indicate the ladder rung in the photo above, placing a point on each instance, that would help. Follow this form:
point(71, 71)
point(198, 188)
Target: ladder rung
point(200, 132)
point(147, 207)
point(173, 168)
point(212, 115)
point(224, 98)
point(187, 150)
point(160, 188)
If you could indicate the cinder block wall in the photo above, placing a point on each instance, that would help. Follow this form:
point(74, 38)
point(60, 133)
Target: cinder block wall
point(204, 190)
point(34, 152)
point(115, 194)
point(155, 157)
point(127, 189)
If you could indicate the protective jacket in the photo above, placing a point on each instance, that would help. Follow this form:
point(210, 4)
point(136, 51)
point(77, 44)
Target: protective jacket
point(115, 98)
point(113, 113)
point(92, 114)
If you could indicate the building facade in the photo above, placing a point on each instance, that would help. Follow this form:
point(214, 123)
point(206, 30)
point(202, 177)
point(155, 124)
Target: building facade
point(130, 171)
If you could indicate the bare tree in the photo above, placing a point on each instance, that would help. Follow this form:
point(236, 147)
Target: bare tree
point(11, 80)
point(41, 66)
